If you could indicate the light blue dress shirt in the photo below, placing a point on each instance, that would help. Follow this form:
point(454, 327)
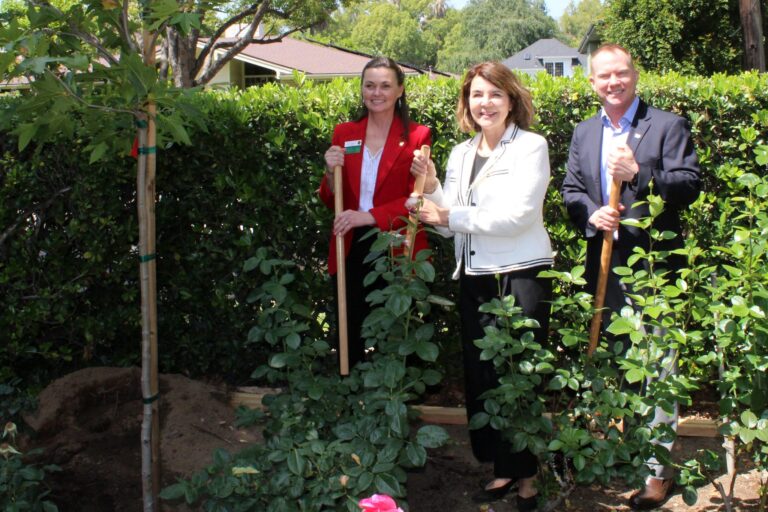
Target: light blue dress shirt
point(613, 137)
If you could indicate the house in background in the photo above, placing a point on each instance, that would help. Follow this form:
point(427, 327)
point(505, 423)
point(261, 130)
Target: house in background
point(589, 43)
point(259, 63)
point(548, 55)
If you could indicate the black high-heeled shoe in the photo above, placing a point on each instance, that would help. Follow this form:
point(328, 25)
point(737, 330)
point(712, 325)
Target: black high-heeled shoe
point(488, 495)
point(527, 504)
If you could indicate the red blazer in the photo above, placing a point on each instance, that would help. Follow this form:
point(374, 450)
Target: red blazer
point(394, 182)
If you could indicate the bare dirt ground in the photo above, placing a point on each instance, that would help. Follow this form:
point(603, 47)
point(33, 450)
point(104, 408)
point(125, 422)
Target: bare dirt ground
point(89, 423)
point(452, 475)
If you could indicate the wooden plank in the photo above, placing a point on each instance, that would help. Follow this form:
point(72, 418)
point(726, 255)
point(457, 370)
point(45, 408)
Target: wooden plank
point(697, 427)
point(442, 415)
point(251, 397)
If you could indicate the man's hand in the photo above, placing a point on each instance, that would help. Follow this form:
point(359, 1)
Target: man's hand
point(606, 218)
point(621, 163)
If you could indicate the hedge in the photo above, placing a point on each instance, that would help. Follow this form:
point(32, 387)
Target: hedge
point(68, 256)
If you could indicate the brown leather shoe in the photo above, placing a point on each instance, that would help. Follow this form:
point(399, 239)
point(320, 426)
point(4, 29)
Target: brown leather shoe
point(653, 495)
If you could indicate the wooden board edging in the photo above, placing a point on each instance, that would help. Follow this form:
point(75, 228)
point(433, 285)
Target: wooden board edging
point(687, 426)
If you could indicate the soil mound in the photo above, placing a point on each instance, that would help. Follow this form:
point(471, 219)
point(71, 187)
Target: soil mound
point(88, 423)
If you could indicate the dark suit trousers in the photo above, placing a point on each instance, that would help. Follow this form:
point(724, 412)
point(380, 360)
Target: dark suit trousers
point(531, 293)
point(615, 299)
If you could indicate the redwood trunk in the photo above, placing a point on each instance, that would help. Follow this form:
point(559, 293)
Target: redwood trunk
point(752, 27)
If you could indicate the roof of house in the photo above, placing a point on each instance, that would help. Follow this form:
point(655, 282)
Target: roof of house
point(315, 59)
point(532, 56)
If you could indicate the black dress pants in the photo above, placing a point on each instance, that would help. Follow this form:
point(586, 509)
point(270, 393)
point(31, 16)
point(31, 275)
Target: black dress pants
point(532, 295)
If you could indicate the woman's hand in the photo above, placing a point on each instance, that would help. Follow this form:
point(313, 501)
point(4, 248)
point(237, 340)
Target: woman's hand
point(334, 156)
point(428, 212)
point(423, 166)
point(351, 219)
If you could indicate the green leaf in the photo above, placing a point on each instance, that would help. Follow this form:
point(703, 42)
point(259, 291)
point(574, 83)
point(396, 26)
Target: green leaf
point(432, 436)
point(26, 132)
point(427, 351)
point(416, 454)
point(749, 419)
point(387, 484)
point(690, 496)
point(174, 491)
point(635, 375)
point(186, 21)
point(398, 304)
point(479, 420)
point(296, 463)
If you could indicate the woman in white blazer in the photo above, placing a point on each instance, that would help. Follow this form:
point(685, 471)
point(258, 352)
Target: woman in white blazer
point(492, 204)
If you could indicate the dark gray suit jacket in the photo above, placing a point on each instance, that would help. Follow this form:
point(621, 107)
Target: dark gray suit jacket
point(661, 142)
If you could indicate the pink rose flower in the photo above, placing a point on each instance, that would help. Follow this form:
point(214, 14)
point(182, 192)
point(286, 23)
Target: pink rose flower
point(379, 503)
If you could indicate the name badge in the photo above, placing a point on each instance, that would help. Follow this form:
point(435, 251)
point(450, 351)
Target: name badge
point(353, 146)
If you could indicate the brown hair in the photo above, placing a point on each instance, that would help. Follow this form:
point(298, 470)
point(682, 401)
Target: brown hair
point(500, 76)
point(613, 48)
point(401, 105)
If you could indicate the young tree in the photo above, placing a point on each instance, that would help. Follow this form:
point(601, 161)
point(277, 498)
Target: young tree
point(91, 67)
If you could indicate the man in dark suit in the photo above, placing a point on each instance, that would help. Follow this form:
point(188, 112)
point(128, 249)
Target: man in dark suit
point(640, 146)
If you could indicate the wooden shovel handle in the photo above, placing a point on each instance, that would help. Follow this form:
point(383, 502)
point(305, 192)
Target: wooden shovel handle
point(341, 276)
point(418, 191)
point(602, 278)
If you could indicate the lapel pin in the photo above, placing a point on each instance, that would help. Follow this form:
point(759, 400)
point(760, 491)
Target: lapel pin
point(402, 143)
point(637, 135)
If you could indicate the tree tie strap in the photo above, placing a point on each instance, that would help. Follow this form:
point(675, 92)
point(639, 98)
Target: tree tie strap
point(151, 399)
point(147, 257)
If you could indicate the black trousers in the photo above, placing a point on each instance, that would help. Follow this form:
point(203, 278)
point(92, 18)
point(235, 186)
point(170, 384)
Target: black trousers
point(532, 295)
point(357, 307)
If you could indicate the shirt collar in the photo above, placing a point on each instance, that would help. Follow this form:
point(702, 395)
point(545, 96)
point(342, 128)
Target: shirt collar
point(626, 119)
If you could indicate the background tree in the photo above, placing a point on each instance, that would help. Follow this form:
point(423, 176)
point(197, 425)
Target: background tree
point(494, 30)
point(751, 25)
point(411, 32)
point(577, 18)
point(278, 18)
point(689, 36)
point(393, 32)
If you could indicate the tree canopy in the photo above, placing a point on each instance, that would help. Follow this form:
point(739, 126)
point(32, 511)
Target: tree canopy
point(577, 18)
point(495, 30)
point(689, 36)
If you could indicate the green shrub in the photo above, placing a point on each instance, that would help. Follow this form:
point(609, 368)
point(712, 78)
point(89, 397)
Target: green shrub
point(68, 269)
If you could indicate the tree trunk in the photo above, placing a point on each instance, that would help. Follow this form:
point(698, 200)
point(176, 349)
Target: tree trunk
point(145, 202)
point(752, 27)
point(181, 57)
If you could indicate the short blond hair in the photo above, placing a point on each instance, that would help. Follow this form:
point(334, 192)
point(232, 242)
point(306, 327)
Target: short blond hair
point(613, 47)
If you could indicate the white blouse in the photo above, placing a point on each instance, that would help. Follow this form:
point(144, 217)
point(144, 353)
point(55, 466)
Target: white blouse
point(368, 174)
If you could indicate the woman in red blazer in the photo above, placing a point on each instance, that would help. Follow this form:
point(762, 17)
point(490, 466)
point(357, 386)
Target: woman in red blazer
point(375, 152)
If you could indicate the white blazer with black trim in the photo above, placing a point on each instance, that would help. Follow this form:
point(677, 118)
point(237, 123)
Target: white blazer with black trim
point(498, 220)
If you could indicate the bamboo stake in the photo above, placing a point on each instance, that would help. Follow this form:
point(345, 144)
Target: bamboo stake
point(602, 278)
point(413, 218)
point(145, 184)
point(341, 276)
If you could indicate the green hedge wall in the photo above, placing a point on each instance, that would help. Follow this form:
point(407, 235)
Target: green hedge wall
point(68, 257)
